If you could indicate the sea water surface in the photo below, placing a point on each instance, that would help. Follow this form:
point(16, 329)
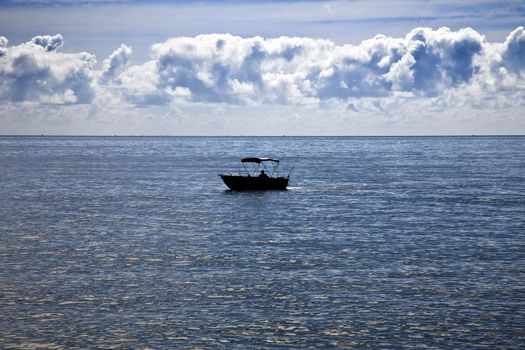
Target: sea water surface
point(380, 243)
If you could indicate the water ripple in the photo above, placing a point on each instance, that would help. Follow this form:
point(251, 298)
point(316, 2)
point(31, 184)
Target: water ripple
point(379, 243)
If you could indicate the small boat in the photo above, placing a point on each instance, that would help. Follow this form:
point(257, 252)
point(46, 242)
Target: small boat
point(258, 178)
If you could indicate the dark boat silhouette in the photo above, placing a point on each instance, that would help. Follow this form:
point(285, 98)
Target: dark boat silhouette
point(256, 179)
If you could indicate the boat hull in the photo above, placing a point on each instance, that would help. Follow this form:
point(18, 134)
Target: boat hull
point(254, 183)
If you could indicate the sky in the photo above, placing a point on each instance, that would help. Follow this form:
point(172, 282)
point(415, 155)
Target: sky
point(399, 67)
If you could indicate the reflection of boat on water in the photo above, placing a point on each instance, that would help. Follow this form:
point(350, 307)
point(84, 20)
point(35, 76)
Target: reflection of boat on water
point(259, 177)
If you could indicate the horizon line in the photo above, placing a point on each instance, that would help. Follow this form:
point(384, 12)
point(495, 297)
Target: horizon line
point(282, 135)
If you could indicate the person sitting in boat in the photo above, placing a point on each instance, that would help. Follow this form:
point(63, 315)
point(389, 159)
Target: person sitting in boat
point(263, 174)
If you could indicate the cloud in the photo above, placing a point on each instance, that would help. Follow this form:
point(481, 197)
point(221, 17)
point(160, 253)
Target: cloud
point(48, 42)
point(289, 70)
point(116, 62)
point(228, 69)
point(3, 45)
point(513, 56)
point(35, 71)
point(439, 59)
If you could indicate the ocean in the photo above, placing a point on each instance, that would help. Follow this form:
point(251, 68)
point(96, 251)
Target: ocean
point(379, 243)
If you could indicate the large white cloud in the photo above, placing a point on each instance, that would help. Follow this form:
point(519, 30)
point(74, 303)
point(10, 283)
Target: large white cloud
point(35, 71)
point(231, 69)
point(222, 68)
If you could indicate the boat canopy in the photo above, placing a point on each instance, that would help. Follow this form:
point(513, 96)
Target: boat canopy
point(258, 160)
